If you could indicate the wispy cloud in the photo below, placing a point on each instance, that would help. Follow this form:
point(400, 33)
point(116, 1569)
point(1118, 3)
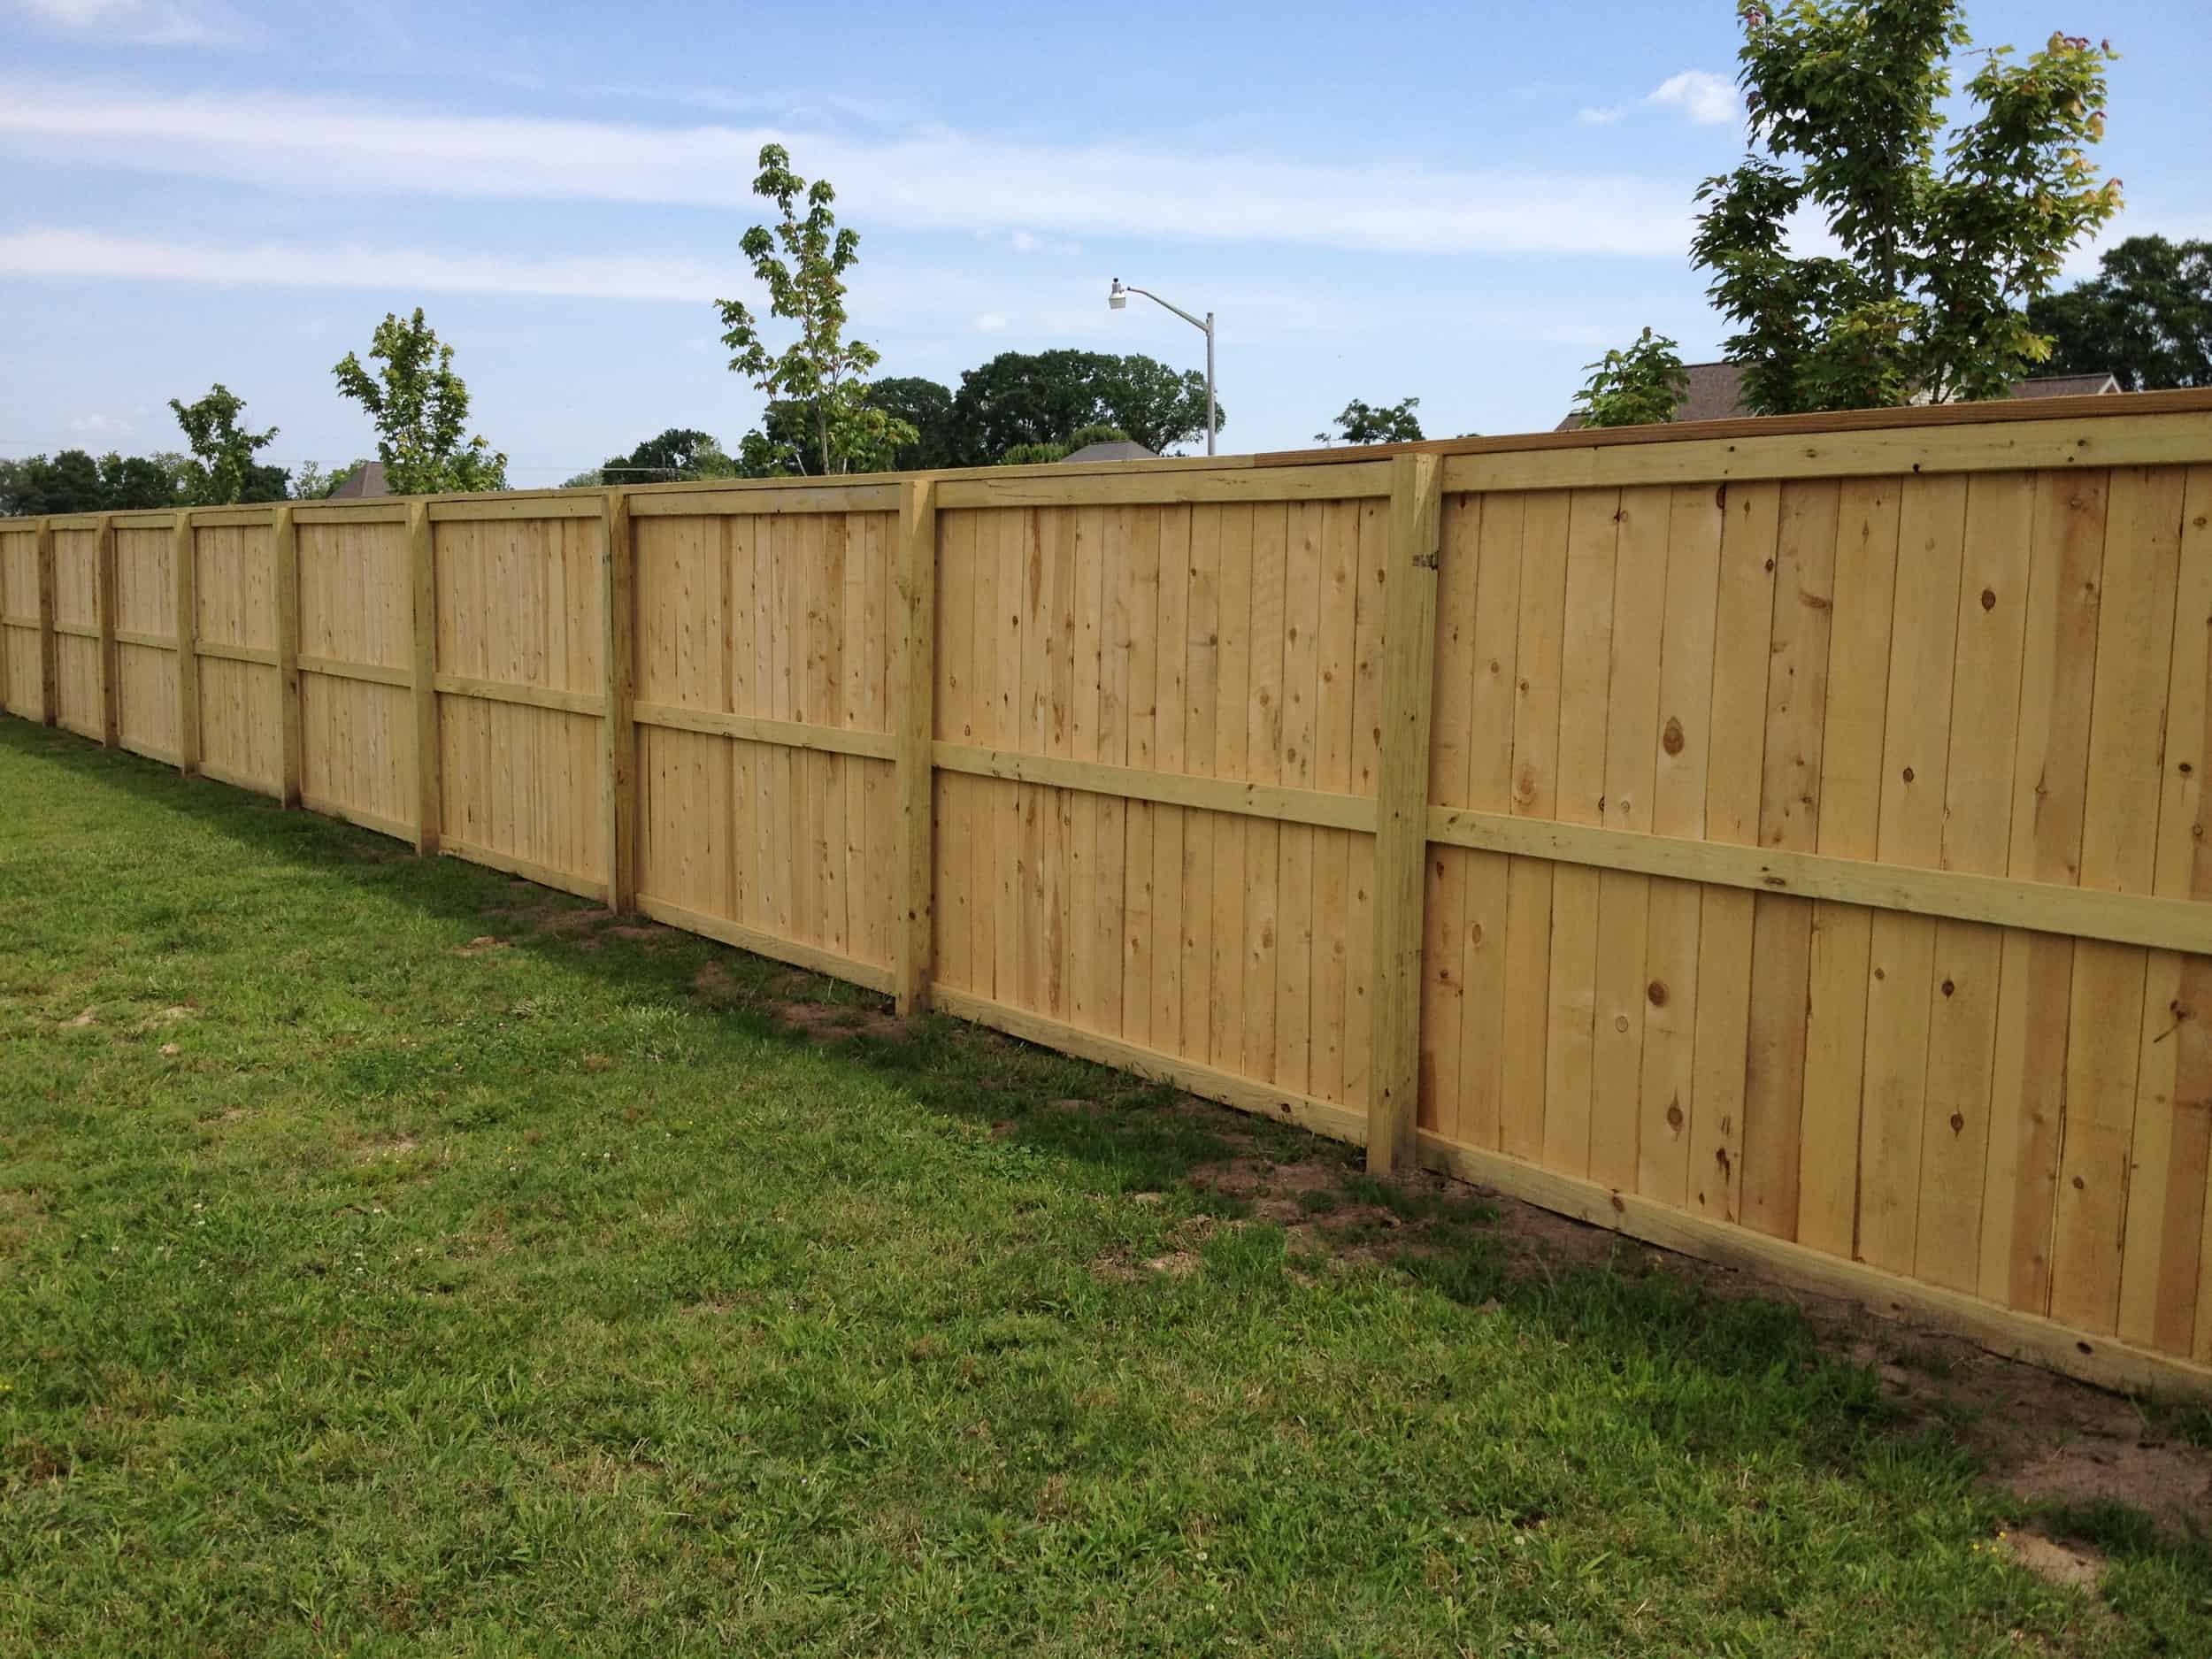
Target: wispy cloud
point(99, 425)
point(144, 22)
point(1707, 99)
point(933, 179)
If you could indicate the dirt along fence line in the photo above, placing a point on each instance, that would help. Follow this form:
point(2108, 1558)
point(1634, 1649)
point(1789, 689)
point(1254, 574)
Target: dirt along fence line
point(1784, 842)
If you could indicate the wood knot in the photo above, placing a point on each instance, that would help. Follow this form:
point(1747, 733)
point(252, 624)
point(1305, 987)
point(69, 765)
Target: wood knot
point(1620, 1022)
point(2081, 1185)
point(1880, 974)
point(1907, 774)
point(1670, 740)
point(1769, 567)
point(1989, 598)
point(1958, 1123)
point(1948, 987)
point(1657, 991)
point(1674, 1116)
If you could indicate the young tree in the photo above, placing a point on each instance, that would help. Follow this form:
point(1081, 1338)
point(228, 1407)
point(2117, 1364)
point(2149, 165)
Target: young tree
point(2146, 316)
point(1363, 422)
point(223, 467)
point(1937, 257)
point(420, 406)
point(1640, 387)
point(821, 370)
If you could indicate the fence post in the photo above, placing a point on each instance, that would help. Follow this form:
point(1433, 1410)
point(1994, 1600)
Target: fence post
point(104, 605)
point(284, 546)
point(617, 760)
point(1401, 806)
point(429, 793)
point(49, 644)
point(184, 553)
point(913, 734)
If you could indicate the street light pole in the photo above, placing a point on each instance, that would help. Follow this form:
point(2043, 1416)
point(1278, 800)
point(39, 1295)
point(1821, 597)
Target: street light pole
point(1117, 297)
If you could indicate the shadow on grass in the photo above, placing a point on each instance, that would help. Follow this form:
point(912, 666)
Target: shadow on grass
point(1722, 1377)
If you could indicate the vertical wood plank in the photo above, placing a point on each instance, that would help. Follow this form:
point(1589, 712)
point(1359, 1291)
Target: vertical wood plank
point(184, 555)
point(1528, 894)
point(1743, 625)
point(1491, 697)
point(915, 680)
point(1850, 799)
point(1915, 753)
point(618, 730)
point(48, 641)
point(1402, 796)
point(284, 556)
point(1977, 836)
point(2035, 979)
point(2135, 631)
point(103, 603)
point(1789, 813)
point(423, 646)
point(1667, 1086)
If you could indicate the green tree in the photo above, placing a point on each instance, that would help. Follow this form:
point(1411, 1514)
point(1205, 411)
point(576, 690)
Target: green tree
point(312, 482)
point(128, 482)
point(419, 407)
point(1640, 387)
point(678, 453)
point(67, 483)
point(223, 466)
point(1022, 397)
point(924, 405)
point(1939, 256)
point(2146, 316)
point(821, 370)
point(1363, 422)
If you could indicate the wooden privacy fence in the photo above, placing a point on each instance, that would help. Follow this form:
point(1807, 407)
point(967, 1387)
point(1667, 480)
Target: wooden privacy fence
point(1780, 840)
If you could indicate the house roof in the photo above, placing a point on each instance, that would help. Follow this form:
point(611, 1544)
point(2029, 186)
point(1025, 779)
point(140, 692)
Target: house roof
point(1716, 392)
point(367, 480)
point(2067, 385)
point(1112, 450)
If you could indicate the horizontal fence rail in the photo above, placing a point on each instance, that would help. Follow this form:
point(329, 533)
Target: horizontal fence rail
point(1780, 840)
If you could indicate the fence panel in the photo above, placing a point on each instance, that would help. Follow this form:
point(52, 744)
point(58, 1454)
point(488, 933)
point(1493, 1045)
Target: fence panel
point(357, 714)
point(146, 639)
point(1816, 873)
point(22, 674)
point(240, 725)
point(78, 680)
point(765, 801)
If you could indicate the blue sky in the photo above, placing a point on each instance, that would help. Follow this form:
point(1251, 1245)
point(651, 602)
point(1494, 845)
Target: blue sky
point(1463, 203)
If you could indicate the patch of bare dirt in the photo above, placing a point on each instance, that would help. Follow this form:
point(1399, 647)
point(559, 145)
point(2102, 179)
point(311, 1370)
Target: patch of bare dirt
point(166, 1017)
point(377, 1151)
point(828, 1022)
point(482, 945)
point(2069, 1565)
point(83, 1020)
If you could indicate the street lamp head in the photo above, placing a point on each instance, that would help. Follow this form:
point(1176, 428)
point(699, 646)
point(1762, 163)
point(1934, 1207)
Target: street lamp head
point(1117, 297)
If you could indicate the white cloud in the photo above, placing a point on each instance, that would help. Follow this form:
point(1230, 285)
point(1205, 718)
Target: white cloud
point(1597, 115)
point(991, 323)
point(99, 425)
point(1708, 99)
point(933, 179)
point(144, 22)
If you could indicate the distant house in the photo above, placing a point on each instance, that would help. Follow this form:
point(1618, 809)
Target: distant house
point(1113, 449)
point(364, 481)
point(1716, 392)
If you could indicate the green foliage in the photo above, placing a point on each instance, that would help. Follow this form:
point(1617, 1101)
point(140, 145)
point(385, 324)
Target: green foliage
point(419, 407)
point(2146, 316)
point(679, 454)
point(223, 470)
point(924, 405)
point(73, 482)
point(1047, 396)
point(1363, 422)
point(1939, 254)
point(1640, 387)
point(1103, 432)
point(1035, 455)
point(802, 262)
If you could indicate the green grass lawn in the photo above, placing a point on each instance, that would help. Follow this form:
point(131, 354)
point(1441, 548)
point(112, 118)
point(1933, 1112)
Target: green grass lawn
point(397, 1258)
